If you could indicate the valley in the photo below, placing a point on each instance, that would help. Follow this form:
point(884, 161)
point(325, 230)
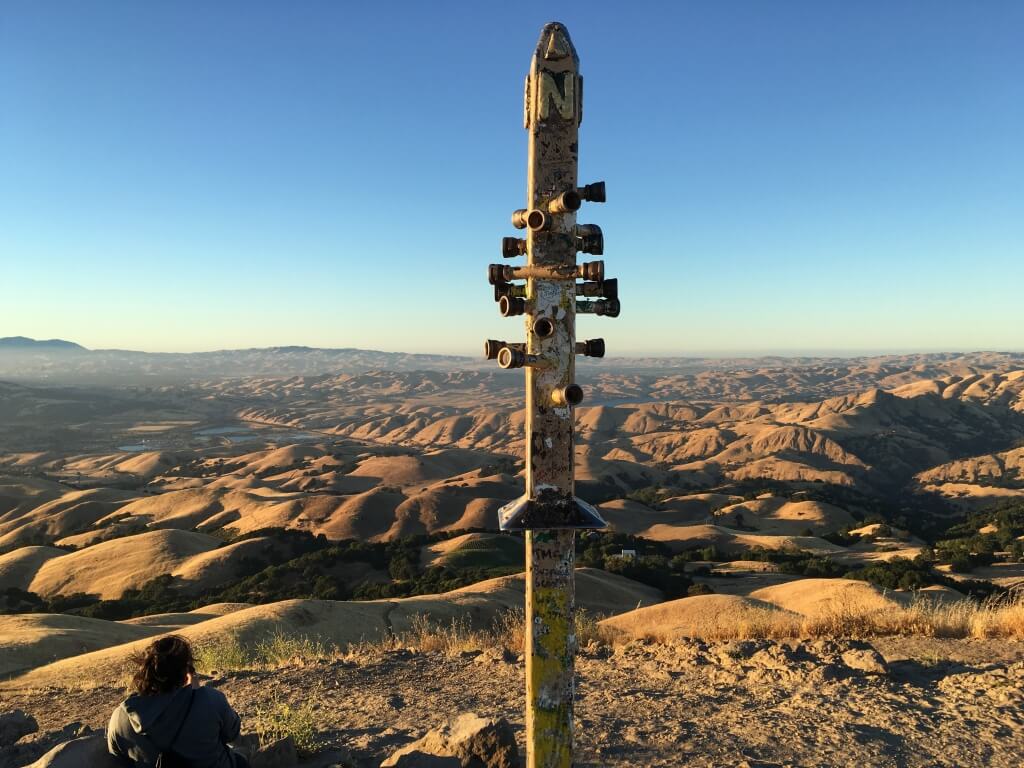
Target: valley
point(771, 499)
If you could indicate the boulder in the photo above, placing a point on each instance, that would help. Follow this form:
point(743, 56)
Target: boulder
point(248, 744)
point(468, 741)
point(866, 660)
point(88, 751)
point(280, 754)
point(14, 725)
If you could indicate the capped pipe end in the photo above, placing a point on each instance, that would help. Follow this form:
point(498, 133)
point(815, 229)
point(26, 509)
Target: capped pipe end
point(510, 306)
point(512, 247)
point(593, 193)
point(496, 274)
point(590, 239)
point(590, 347)
point(511, 358)
point(492, 347)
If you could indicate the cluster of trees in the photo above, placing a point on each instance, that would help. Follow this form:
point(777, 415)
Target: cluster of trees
point(964, 547)
point(301, 566)
point(653, 562)
point(896, 573)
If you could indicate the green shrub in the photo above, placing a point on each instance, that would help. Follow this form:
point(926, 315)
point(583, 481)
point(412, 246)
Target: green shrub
point(225, 654)
point(281, 648)
point(280, 719)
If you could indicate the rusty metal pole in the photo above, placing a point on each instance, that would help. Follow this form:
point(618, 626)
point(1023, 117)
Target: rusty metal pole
point(549, 512)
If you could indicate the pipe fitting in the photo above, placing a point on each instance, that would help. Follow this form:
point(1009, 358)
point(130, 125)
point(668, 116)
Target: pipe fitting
point(509, 289)
point(590, 239)
point(492, 347)
point(570, 395)
point(566, 202)
point(607, 307)
point(512, 247)
point(497, 274)
point(593, 193)
point(544, 327)
point(603, 307)
point(607, 289)
point(592, 270)
point(537, 220)
point(590, 348)
point(519, 218)
point(510, 306)
point(511, 358)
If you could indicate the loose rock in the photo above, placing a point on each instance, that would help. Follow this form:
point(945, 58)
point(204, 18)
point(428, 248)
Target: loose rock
point(280, 754)
point(15, 725)
point(866, 660)
point(473, 742)
point(88, 751)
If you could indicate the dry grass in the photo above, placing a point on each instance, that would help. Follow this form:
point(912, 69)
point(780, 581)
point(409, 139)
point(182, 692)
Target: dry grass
point(227, 654)
point(1001, 617)
point(282, 649)
point(996, 618)
point(457, 636)
point(505, 632)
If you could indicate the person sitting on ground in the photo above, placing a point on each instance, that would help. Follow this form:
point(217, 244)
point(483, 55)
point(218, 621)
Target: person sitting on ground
point(169, 714)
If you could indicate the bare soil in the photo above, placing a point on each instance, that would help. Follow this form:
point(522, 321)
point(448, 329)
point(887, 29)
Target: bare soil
point(955, 703)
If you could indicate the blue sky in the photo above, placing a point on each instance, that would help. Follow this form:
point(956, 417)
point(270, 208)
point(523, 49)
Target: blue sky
point(782, 176)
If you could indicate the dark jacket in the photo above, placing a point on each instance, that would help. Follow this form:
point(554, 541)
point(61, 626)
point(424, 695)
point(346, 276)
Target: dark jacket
point(142, 726)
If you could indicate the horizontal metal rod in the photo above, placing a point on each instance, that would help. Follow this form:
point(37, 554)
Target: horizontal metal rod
point(604, 307)
point(546, 272)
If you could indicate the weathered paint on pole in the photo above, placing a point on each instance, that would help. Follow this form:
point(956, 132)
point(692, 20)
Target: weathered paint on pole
point(549, 511)
point(552, 116)
point(550, 648)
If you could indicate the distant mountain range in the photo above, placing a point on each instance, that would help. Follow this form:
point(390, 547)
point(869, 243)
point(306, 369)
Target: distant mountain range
point(23, 342)
point(58, 361)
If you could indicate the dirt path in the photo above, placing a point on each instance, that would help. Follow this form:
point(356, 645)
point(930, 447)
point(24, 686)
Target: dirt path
point(690, 704)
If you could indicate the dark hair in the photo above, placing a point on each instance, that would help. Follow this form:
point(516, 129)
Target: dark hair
point(163, 666)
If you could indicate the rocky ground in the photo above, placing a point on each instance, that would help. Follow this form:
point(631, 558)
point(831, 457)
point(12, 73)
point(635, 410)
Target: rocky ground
point(911, 702)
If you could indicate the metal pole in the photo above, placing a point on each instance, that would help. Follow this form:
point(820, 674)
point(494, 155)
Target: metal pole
point(549, 512)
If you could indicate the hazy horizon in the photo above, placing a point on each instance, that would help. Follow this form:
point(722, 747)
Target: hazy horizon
point(684, 353)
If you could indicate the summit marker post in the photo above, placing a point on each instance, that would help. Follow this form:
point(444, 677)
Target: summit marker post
point(549, 512)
